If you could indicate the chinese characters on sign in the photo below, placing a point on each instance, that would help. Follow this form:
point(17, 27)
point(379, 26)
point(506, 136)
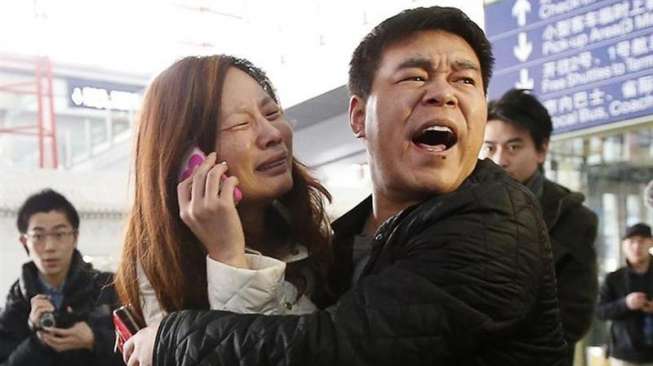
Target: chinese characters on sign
point(590, 62)
point(97, 94)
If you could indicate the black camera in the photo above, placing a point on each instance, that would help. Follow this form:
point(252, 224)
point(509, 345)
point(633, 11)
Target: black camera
point(62, 319)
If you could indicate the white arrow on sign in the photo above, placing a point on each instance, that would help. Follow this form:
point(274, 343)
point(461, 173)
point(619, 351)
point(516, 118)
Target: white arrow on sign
point(525, 82)
point(519, 11)
point(523, 48)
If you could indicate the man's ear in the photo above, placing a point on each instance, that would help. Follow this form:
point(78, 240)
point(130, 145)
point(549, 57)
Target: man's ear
point(23, 241)
point(357, 116)
point(542, 151)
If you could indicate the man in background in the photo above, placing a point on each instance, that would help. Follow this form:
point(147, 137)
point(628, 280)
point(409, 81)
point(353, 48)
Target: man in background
point(626, 299)
point(59, 311)
point(517, 139)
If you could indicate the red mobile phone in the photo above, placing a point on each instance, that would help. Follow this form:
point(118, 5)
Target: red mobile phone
point(125, 324)
point(194, 158)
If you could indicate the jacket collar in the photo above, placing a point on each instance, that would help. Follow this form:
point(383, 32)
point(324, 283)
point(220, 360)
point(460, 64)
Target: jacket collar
point(536, 183)
point(353, 221)
point(630, 269)
point(557, 199)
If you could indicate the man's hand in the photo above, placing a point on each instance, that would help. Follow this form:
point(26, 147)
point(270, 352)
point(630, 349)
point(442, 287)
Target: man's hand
point(648, 307)
point(40, 304)
point(79, 336)
point(138, 350)
point(635, 300)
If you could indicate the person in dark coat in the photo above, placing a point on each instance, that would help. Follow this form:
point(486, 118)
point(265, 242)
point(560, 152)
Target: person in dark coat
point(59, 311)
point(448, 262)
point(626, 299)
point(517, 139)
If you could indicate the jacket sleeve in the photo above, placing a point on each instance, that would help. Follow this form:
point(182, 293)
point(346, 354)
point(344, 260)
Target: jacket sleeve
point(28, 352)
point(259, 289)
point(18, 344)
point(101, 323)
point(577, 278)
point(611, 306)
point(451, 295)
point(343, 335)
point(152, 311)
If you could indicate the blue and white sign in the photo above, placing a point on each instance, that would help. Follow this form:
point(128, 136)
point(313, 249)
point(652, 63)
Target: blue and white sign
point(590, 62)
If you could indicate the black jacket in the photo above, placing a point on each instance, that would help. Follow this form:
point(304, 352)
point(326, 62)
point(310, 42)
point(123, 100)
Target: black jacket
point(464, 278)
point(87, 291)
point(572, 230)
point(626, 331)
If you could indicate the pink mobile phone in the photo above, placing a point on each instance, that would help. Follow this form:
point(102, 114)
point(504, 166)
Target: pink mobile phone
point(194, 158)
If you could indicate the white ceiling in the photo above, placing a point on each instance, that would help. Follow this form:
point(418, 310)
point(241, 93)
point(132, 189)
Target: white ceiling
point(303, 45)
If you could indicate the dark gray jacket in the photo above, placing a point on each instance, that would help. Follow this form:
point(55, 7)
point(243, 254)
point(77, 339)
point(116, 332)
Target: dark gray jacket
point(572, 230)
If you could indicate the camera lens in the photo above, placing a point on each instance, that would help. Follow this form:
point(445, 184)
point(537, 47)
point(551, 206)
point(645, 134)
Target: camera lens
point(47, 320)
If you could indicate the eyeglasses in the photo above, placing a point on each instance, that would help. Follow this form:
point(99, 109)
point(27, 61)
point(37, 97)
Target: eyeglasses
point(58, 236)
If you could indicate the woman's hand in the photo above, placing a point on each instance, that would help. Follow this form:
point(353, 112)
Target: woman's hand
point(207, 206)
point(138, 349)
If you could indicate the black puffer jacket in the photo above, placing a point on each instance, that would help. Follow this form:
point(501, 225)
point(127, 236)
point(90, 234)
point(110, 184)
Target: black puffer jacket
point(464, 278)
point(87, 291)
point(572, 229)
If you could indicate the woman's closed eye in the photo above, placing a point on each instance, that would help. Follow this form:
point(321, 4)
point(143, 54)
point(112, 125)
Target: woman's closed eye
point(237, 125)
point(271, 115)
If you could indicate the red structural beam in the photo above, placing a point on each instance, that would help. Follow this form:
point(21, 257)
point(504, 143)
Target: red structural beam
point(45, 127)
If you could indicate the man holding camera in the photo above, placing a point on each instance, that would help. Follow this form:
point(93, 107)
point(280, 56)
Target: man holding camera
point(59, 311)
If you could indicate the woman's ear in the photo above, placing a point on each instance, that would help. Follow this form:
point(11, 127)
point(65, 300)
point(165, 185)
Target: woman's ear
point(357, 116)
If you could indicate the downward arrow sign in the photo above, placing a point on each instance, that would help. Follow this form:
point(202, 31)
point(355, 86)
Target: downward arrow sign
point(523, 48)
point(524, 82)
point(519, 11)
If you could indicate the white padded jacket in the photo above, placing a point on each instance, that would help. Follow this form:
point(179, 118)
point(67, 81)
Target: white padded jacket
point(259, 289)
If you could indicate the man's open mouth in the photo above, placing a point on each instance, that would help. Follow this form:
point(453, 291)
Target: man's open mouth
point(435, 138)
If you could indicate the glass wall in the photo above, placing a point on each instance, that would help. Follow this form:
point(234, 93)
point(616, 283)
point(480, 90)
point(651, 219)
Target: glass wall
point(91, 116)
point(612, 169)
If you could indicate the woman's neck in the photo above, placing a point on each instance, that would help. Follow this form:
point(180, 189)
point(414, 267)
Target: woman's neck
point(252, 218)
point(263, 233)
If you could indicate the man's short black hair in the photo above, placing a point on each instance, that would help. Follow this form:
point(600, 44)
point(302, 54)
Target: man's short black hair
point(520, 108)
point(367, 56)
point(45, 201)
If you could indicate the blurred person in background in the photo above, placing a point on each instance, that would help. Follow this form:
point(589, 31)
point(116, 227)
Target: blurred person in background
point(199, 244)
point(59, 311)
point(626, 299)
point(448, 262)
point(517, 138)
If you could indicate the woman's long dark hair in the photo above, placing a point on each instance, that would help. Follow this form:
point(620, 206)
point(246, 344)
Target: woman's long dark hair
point(180, 110)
